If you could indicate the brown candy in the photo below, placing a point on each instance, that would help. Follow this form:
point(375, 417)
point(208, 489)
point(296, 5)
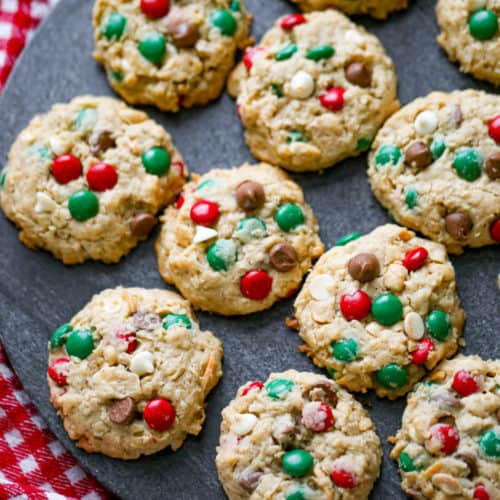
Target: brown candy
point(358, 73)
point(492, 166)
point(249, 479)
point(470, 459)
point(364, 267)
point(458, 225)
point(418, 155)
point(457, 116)
point(122, 411)
point(323, 391)
point(142, 224)
point(283, 257)
point(183, 33)
point(250, 195)
point(100, 141)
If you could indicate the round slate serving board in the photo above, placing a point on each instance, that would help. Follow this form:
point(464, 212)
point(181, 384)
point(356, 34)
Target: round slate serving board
point(37, 293)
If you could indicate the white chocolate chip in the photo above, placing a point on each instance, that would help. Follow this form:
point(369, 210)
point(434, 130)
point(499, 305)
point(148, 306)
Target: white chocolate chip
point(301, 85)
point(414, 326)
point(142, 363)
point(426, 122)
point(44, 203)
point(204, 234)
point(244, 423)
point(57, 145)
point(354, 37)
point(321, 287)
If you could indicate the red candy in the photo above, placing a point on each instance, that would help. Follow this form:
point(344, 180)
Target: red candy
point(205, 213)
point(131, 340)
point(317, 416)
point(155, 8)
point(159, 414)
point(66, 168)
point(249, 55)
point(495, 230)
point(480, 493)
point(289, 22)
point(179, 202)
point(421, 354)
point(356, 305)
point(102, 176)
point(256, 285)
point(333, 99)
point(415, 259)
point(444, 438)
point(58, 371)
point(179, 166)
point(343, 478)
point(251, 386)
point(465, 383)
point(494, 128)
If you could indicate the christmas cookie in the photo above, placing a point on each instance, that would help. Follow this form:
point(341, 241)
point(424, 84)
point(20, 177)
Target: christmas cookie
point(380, 311)
point(449, 443)
point(169, 53)
point(86, 180)
point(435, 165)
point(297, 436)
point(238, 240)
point(470, 34)
point(376, 8)
point(130, 373)
point(314, 91)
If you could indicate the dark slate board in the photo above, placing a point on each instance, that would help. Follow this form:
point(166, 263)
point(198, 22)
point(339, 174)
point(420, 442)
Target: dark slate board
point(38, 293)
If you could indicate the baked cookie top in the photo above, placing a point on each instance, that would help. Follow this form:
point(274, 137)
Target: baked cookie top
point(85, 180)
point(298, 436)
point(380, 311)
point(169, 53)
point(238, 240)
point(449, 442)
point(470, 34)
point(129, 374)
point(314, 91)
point(435, 165)
point(375, 8)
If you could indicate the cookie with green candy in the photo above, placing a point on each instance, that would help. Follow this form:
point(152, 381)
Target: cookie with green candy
point(379, 9)
point(380, 311)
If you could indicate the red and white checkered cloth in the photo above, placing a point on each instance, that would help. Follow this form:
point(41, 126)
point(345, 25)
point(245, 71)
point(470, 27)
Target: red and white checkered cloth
point(33, 463)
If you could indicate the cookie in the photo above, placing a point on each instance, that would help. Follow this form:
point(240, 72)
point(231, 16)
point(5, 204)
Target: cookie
point(169, 53)
point(379, 9)
point(470, 35)
point(315, 91)
point(238, 240)
point(449, 443)
point(298, 436)
point(380, 311)
point(129, 374)
point(85, 180)
point(435, 165)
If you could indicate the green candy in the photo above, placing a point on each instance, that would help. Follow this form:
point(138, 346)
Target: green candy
point(489, 443)
point(388, 153)
point(83, 205)
point(406, 463)
point(86, 119)
point(222, 254)
point(115, 26)
point(225, 21)
point(297, 463)
point(387, 309)
point(250, 228)
point(347, 238)
point(331, 373)
point(301, 492)
point(295, 136)
point(289, 216)
point(156, 161)
point(39, 149)
point(176, 319)
point(116, 76)
point(235, 6)
point(276, 90)
point(286, 52)
point(152, 47)
point(438, 325)
point(2, 179)
point(392, 376)
point(411, 197)
point(279, 388)
point(438, 146)
point(320, 52)
point(363, 144)
point(80, 343)
point(468, 163)
point(207, 183)
point(345, 350)
point(483, 24)
point(59, 337)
